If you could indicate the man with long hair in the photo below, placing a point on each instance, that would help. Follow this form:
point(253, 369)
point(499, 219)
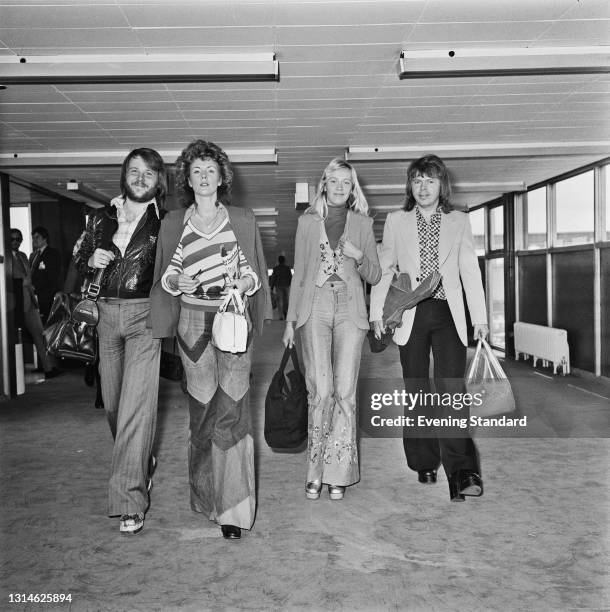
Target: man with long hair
point(121, 239)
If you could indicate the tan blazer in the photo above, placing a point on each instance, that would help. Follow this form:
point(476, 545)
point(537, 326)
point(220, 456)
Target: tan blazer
point(458, 266)
point(307, 263)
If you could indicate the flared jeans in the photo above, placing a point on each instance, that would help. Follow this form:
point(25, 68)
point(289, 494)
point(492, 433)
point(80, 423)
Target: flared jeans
point(221, 447)
point(332, 347)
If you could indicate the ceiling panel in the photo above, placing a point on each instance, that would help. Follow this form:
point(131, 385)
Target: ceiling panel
point(338, 87)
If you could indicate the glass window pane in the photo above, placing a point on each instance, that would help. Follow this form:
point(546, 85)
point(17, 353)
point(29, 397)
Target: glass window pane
point(496, 227)
point(495, 289)
point(535, 227)
point(574, 209)
point(477, 222)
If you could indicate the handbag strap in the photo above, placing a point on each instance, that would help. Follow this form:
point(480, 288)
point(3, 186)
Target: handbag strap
point(494, 364)
point(93, 289)
point(233, 296)
point(475, 359)
point(289, 352)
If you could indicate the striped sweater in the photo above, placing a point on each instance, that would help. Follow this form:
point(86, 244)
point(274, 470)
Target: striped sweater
point(215, 259)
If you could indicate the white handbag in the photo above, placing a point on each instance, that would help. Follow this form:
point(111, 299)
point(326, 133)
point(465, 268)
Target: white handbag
point(230, 328)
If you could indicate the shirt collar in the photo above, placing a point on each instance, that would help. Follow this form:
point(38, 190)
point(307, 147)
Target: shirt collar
point(119, 203)
point(424, 216)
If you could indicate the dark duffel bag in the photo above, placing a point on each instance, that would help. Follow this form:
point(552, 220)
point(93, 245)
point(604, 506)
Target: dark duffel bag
point(286, 407)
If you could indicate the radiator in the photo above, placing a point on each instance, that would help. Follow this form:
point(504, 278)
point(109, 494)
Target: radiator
point(541, 342)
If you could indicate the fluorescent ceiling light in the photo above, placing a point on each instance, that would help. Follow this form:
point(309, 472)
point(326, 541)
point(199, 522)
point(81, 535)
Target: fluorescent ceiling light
point(503, 61)
point(138, 68)
point(266, 224)
point(474, 151)
point(115, 158)
point(265, 212)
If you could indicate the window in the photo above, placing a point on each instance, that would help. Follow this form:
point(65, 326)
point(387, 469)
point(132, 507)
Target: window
point(535, 219)
point(496, 228)
point(477, 222)
point(495, 296)
point(574, 210)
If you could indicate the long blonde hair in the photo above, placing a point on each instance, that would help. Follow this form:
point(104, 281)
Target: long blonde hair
point(356, 200)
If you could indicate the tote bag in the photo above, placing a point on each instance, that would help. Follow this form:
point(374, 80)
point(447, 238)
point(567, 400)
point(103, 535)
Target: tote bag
point(487, 379)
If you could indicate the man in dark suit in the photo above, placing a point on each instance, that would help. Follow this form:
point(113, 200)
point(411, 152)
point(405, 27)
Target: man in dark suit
point(26, 314)
point(45, 264)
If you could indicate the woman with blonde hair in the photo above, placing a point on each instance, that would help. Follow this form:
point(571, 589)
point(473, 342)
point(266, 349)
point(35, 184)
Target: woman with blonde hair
point(334, 253)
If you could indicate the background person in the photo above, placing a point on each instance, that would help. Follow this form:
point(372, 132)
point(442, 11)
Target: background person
point(122, 239)
point(426, 236)
point(335, 250)
point(45, 264)
point(28, 316)
point(203, 252)
point(280, 282)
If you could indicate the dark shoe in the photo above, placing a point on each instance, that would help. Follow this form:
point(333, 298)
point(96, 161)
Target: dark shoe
point(131, 524)
point(52, 373)
point(426, 476)
point(230, 532)
point(470, 483)
point(454, 489)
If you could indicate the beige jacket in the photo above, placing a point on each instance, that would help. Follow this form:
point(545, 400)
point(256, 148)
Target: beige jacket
point(458, 266)
point(307, 263)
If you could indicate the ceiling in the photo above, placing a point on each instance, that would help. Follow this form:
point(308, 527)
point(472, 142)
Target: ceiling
point(338, 88)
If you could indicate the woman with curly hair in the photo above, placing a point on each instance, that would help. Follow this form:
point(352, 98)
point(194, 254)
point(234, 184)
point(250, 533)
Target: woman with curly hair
point(204, 252)
point(334, 252)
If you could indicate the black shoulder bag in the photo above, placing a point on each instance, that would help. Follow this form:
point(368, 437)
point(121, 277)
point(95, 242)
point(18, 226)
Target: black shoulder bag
point(286, 407)
point(71, 329)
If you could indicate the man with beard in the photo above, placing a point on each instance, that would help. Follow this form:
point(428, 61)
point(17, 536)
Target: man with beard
point(121, 239)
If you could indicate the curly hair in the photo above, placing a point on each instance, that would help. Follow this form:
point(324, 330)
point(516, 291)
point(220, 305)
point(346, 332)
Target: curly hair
point(202, 149)
point(434, 167)
point(356, 201)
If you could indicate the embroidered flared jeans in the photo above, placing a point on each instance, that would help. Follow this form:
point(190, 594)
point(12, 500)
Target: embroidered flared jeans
point(332, 346)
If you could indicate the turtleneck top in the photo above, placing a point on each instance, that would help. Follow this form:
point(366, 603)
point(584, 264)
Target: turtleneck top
point(334, 224)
